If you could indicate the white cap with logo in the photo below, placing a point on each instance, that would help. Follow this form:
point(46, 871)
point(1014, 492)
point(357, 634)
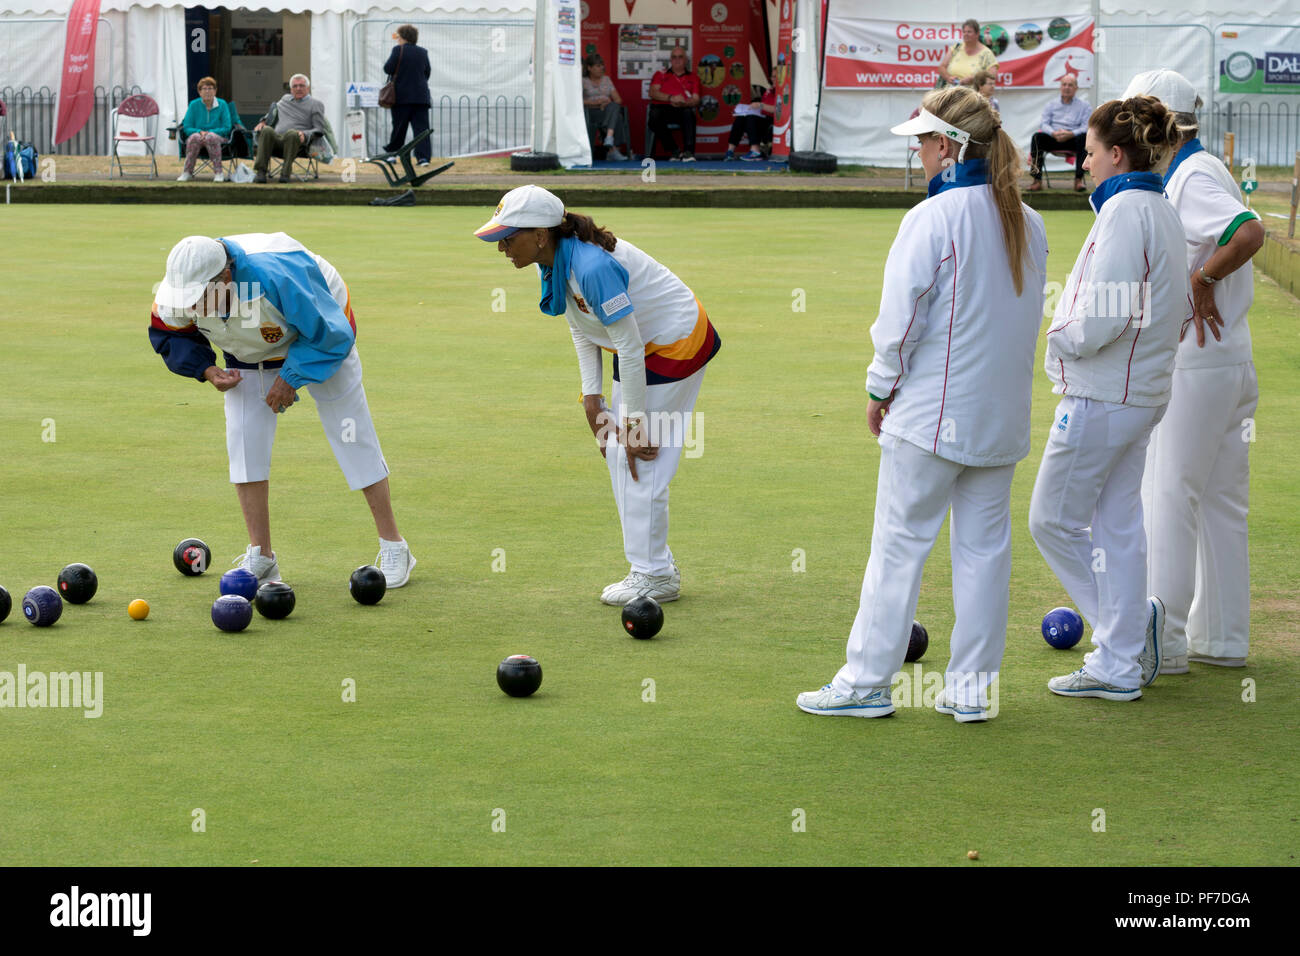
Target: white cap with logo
point(527, 207)
point(191, 265)
point(926, 122)
point(1169, 87)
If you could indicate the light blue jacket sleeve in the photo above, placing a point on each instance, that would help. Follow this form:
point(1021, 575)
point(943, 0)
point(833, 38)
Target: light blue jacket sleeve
point(603, 281)
point(293, 283)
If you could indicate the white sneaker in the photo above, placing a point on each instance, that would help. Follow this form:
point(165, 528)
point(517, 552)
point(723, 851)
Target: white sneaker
point(1149, 659)
point(265, 569)
point(1083, 684)
point(1217, 661)
point(614, 156)
point(184, 177)
point(829, 702)
point(395, 561)
point(962, 713)
point(219, 178)
point(609, 139)
point(1174, 665)
point(661, 587)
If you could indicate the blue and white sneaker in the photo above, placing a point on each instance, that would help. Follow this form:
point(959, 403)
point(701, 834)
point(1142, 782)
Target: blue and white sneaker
point(1083, 684)
point(962, 713)
point(831, 703)
point(1149, 659)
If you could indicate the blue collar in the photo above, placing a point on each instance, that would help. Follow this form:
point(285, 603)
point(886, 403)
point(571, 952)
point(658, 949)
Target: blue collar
point(1189, 147)
point(555, 279)
point(973, 172)
point(1117, 184)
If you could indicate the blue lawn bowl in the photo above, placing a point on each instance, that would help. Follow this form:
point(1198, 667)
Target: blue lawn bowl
point(42, 605)
point(1062, 628)
point(231, 612)
point(240, 581)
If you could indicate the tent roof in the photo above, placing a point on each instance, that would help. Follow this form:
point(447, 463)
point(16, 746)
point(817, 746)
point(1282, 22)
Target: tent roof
point(60, 8)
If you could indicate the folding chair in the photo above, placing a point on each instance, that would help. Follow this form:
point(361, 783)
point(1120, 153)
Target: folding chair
point(135, 120)
point(239, 146)
point(1063, 154)
point(408, 176)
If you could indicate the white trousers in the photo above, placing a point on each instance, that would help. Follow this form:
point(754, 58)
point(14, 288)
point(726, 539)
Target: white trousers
point(914, 492)
point(643, 504)
point(1086, 518)
point(1195, 496)
point(344, 414)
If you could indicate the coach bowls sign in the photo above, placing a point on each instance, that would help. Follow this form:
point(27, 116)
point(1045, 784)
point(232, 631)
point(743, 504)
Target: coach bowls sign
point(1258, 59)
point(1032, 51)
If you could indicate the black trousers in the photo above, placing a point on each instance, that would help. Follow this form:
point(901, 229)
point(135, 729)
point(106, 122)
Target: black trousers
point(661, 115)
point(1047, 143)
point(757, 128)
point(417, 118)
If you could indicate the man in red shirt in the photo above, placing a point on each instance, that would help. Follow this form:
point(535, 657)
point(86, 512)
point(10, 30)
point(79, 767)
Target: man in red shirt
point(674, 94)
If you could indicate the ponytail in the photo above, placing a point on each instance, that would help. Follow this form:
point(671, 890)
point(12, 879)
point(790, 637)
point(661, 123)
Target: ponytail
point(967, 110)
point(584, 228)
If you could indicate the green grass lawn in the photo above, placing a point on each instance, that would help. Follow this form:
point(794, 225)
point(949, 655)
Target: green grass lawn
point(478, 414)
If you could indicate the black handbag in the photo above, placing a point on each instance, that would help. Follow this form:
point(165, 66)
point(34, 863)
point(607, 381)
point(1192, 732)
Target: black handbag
point(388, 92)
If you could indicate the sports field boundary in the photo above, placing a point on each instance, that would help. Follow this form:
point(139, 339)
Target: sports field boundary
point(659, 195)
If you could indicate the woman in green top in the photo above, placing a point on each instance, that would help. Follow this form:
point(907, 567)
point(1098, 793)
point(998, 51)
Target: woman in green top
point(207, 124)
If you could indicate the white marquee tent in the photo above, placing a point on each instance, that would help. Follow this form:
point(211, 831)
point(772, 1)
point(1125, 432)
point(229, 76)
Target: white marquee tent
point(142, 44)
point(854, 124)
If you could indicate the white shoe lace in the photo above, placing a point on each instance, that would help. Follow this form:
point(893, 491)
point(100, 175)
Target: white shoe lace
point(393, 560)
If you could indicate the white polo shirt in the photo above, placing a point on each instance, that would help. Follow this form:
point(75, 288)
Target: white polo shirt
point(1209, 206)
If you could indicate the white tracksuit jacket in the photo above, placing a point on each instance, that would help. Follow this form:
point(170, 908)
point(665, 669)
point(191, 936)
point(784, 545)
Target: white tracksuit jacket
point(954, 343)
point(1115, 331)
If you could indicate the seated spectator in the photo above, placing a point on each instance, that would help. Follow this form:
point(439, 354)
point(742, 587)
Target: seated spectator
point(674, 94)
point(208, 124)
point(967, 58)
point(985, 83)
point(300, 118)
point(606, 114)
point(753, 120)
point(1064, 128)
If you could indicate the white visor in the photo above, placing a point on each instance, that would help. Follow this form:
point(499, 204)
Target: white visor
point(926, 122)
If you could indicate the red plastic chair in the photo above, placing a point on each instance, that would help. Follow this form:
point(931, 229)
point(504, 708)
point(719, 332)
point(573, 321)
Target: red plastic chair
point(137, 107)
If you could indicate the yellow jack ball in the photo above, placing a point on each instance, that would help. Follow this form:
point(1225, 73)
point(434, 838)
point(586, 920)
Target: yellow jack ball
point(138, 609)
point(972, 854)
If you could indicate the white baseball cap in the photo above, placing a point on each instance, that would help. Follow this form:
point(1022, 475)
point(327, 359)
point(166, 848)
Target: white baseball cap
point(926, 122)
point(1171, 88)
point(527, 207)
point(191, 265)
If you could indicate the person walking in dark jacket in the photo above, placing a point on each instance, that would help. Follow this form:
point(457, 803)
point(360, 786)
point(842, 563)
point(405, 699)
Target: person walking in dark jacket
point(408, 68)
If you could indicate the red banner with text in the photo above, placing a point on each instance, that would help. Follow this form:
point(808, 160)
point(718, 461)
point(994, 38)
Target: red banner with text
point(77, 89)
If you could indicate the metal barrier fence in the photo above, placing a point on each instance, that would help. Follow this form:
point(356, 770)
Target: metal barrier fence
point(481, 81)
point(32, 114)
point(1268, 133)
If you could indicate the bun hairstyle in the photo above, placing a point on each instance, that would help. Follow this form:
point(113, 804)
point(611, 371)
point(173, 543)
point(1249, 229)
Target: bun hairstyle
point(967, 110)
point(1141, 126)
point(584, 228)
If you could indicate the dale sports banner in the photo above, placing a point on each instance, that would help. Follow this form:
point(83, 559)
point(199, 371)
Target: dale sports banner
point(874, 54)
point(1258, 59)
